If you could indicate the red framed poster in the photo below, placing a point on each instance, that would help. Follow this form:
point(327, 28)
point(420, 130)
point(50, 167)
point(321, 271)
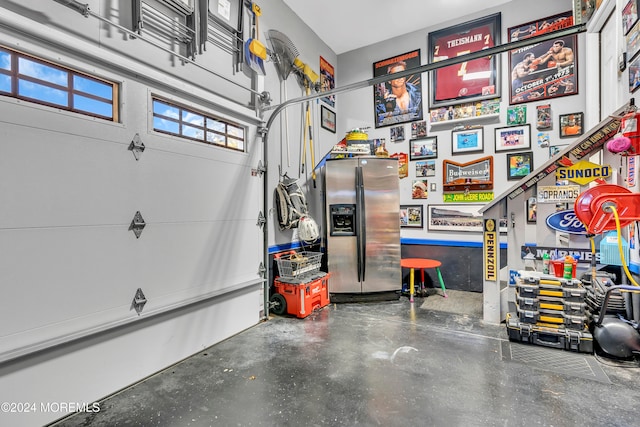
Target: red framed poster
point(468, 81)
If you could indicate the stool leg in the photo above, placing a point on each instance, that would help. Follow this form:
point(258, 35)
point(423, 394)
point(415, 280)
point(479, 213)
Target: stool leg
point(441, 281)
point(422, 282)
point(411, 285)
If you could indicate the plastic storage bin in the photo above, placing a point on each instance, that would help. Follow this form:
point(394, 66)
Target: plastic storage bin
point(301, 299)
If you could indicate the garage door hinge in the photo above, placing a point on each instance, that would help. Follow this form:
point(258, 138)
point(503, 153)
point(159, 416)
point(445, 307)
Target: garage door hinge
point(137, 224)
point(258, 170)
point(139, 301)
point(136, 146)
point(261, 270)
point(261, 220)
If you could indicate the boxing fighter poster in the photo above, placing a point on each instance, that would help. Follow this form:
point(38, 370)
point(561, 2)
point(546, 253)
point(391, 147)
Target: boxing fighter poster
point(544, 70)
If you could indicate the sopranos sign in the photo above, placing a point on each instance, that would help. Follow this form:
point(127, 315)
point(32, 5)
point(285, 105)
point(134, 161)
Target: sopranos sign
point(558, 193)
point(567, 222)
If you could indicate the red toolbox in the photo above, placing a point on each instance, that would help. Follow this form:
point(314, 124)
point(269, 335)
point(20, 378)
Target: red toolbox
point(301, 298)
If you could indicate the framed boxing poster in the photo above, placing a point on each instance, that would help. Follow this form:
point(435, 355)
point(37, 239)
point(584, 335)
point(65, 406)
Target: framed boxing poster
point(543, 70)
point(467, 81)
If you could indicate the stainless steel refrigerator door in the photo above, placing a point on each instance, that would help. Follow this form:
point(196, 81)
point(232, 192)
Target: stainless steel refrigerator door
point(342, 251)
point(381, 211)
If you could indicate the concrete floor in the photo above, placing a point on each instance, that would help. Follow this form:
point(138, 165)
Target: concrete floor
point(378, 364)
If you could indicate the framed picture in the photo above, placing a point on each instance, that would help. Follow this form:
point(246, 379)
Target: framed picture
point(468, 81)
point(328, 119)
point(543, 117)
point(629, 16)
point(531, 210)
point(571, 125)
point(633, 42)
point(517, 115)
point(519, 165)
point(411, 216)
point(425, 148)
point(547, 69)
point(425, 168)
point(555, 149)
point(513, 138)
point(419, 129)
point(396, 133)
point(327, 81)
point(467, 141)
point(420, 189)
point(454, 217)
point(634, 74)
point(397, 100)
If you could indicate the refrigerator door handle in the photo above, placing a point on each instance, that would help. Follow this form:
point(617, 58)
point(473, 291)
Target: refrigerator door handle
point(362, 232)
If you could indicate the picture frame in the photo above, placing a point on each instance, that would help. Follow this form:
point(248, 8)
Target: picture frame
point(571, 125)
point(423, 148)
point(516, 115)
point(411, 216)
point(327, 81)
point(328, 119)
point(633, 42)
point(519, 165)
point(420, 189)
point(634, 74)
point(544, 70)
point(512, 138)
point(467, 140)
point(454, 217)
point(396, 134)
point(531, 209)
point(555, 149)
point(425, 168)
point(387, 109)
point(450, 85)
point(629, 16)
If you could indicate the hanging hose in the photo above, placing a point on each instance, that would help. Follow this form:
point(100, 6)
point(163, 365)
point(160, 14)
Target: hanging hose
point(619, 234)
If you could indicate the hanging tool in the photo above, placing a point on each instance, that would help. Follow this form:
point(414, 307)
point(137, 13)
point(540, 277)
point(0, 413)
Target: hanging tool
point(254, 51)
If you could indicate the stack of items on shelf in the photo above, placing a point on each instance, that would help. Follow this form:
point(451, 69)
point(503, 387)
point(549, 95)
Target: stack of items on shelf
point(301, 287)
point(550, 311)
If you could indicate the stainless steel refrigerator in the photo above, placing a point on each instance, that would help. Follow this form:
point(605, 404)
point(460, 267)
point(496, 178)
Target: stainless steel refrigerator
point(363, 226)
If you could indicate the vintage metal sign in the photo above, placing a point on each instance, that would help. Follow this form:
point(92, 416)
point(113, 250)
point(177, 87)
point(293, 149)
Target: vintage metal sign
point(468, 197)
point(558, 193)
point(584, 172)
point(567, 222)
point(475, 175)
point(490, 248)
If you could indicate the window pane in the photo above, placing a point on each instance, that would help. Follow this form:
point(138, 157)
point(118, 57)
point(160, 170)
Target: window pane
point(5, 60)
point(215, 125)
point(42, 72)
point(92, 106)
point(166, 110)
point(215, 138)
point(235, 131)
point(235, 143)
point(192, 132)
point(5, 83)
point(93, 87)
point(165, 125)
point(192, 118)
point(43, 93)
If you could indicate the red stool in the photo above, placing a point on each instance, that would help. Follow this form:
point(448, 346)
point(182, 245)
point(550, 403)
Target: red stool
point(422, 263)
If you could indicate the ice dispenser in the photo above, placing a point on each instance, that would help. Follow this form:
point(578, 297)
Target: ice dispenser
point(343, 220)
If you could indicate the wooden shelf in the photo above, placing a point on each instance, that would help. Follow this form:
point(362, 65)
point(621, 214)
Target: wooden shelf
point(474, 119)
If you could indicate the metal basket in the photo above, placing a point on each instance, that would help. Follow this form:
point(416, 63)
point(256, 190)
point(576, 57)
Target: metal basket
point(296, 265)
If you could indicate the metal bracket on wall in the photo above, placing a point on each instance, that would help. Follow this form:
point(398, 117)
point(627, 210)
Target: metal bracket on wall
point(139, 300)
point(261, 220)
point(261, 270)
point(137, 224)
point(136, 146)
point(259, 170)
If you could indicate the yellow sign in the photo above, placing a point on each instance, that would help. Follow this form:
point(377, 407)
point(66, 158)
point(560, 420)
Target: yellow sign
point(468, 197)
point(490, 248)
point(583, 172)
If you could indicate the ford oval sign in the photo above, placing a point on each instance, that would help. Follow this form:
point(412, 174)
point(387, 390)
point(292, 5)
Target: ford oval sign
point(567, 222)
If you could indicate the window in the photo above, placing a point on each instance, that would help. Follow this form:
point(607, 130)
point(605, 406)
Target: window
point(176, 120)
point(35, 80)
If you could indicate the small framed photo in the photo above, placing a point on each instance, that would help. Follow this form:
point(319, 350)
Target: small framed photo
point(467, 141)
point(396, 133)
point(571, 125)
point(517, 115)
point(424, 148)
point(425, 168)
point(420, 189)
point(519, 165)
point(513, 138)
point(555, 149)
point(629, 16)
point(328, 119)
point(531, 210)
point(411, 216)
point(634, 74)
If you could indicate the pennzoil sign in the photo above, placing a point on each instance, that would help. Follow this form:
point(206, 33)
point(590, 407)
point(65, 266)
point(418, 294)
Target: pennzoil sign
point(490, 248)
point(583, 172)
